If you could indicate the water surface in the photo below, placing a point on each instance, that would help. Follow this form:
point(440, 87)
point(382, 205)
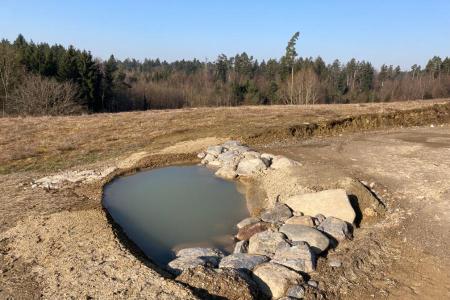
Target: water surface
point(175, 207)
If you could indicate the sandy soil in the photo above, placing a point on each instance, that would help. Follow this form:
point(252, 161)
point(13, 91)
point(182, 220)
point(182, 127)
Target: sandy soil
point(60, 243)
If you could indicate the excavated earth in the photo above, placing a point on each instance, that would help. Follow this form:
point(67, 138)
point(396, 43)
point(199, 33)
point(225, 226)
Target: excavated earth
point(56, 241)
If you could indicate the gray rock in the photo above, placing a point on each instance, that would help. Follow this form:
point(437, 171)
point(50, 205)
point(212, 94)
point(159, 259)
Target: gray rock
point(226, 172)
point(249, 167)
point(231, 144)
point(281, 162)
point(242, 261)
point(247, 221)
point(267, 243)
point(296, 292)
point(315, 239)
point(214, 150)
point(241, 247)
point(274, 279)
point(278, 214)
point(200, 252)
point(302, 220)
point(229, 158)
point(298, 258)
point(335, 227)
point(330, 203)
point(251, 154)
point(180, 264)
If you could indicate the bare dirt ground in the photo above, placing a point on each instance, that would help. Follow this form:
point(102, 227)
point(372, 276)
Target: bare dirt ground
point(60, 243)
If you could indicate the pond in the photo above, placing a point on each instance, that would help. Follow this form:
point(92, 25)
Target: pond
point(163, 210)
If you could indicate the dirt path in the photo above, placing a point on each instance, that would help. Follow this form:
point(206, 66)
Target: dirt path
point(411, 170)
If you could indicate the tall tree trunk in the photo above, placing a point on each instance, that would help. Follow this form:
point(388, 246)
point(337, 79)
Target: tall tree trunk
point(292, 84)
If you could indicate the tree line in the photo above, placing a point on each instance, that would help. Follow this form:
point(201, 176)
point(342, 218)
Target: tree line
point(40, 79)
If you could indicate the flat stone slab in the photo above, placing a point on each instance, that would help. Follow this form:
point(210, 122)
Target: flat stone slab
point(242, 261)
point(298, 257)
point(182, 263)
point(301, 233)
point(267, 243)
point(330, 203)
point(278, 214)
point(247, 221)
point(274, 280)
point(200, 252)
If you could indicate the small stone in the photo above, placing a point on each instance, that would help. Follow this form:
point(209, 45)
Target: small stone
point(216, 283)
point(315, 239)
point(298, 257)
point(247, 221)
point(278, 214)
point(334, 262)
point(335, 227)
point(226, 172)
point(201, 155)
point(267, 243)
point(330, 203)
point(313, 283)
point(242, 261)
point(249, 167)
point(248, 231)
point(369, 212)
point(297, 213)
point(241, 247)
point(274, 279)
point(296, 292)
point(207, 159)
point(281, 162)
point(302, 220)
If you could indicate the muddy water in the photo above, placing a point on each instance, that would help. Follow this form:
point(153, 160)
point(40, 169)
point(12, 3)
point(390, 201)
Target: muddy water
point(171, 208)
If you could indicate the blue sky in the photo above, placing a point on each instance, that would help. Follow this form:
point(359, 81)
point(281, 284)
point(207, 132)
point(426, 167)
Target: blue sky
point(393, 32)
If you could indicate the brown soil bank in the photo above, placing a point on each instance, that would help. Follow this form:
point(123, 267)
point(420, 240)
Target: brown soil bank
point(59, 243)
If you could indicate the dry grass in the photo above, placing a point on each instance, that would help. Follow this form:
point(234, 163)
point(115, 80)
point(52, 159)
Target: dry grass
point(50, 143)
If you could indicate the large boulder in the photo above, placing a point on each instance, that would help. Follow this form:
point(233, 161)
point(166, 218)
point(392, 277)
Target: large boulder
point(226, 172)
point(214, 150)
point(219, 283)
point(191, 257)
point(330, 203)
point(242, 261)
point(247, 221)
point(298, 257)
point(248, 231)
point(281, 162)
point(274, 279)
point(267, 243)
point(182, 263)
point(229, 158)
point(277, 214)
point(336, 228)
point(301, 233)
point(251, 166)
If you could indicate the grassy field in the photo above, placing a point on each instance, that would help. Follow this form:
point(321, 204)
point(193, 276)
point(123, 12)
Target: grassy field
point(52, 143)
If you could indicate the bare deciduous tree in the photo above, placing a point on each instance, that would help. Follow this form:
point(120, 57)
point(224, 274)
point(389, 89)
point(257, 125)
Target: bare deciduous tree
point(8, 72)
point(42, 96)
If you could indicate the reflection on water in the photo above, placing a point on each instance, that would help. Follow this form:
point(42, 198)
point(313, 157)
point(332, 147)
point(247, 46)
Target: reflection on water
point(175, 207)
